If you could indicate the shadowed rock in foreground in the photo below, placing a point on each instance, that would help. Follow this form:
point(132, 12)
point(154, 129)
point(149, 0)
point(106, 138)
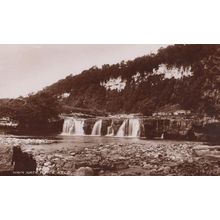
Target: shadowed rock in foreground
point(23, 163)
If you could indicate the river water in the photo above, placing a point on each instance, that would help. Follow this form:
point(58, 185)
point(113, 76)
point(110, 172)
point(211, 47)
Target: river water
point(68, 141)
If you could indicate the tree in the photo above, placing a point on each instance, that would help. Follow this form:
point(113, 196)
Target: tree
point(38, 110)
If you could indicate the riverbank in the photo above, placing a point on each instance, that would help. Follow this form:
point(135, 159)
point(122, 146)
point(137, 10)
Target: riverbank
point(128, 159)
point(189, 158)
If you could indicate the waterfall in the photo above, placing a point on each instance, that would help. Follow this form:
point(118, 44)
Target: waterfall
point(73, 126)
point(122, 130)
point(134, 128)
point(130, 128)
point(110, 130)
point(97, 128)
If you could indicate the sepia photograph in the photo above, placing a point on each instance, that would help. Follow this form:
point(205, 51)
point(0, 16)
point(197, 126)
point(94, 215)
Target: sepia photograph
point(110, 110)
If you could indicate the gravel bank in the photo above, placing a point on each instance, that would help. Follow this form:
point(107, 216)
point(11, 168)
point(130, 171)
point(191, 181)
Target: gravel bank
point(127, 159)
point(154, 159)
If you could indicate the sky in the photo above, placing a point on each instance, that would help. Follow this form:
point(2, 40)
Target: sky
point(30, 67)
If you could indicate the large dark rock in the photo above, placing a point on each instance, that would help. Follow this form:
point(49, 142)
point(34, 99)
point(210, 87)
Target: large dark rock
point(23, 162)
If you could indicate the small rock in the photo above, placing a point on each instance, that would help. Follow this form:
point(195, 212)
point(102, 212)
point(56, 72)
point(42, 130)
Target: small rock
point(47, 164)
point(69, 165)
point(101, 172)
point(104, 152)
point(45, 170)
point(190, 160)
point(146, 165)
point(166, 170)
point(84, 171)
point(121, 158)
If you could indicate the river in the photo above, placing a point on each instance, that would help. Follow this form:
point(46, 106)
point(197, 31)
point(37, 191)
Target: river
point(72, 141)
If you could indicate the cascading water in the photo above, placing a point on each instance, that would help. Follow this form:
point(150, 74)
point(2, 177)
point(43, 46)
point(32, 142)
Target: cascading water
point(97, 128)
point(122, 130)
point(134, 128)
point(73, 126)
point(110, 130)
point(130, 128)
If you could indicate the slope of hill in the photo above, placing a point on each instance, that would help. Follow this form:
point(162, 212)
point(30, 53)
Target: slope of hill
point(180, 74)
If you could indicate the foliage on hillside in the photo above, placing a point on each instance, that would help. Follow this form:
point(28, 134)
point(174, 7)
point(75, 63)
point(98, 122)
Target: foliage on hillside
point(33, 112)
point(86, 92)
point(198, 92)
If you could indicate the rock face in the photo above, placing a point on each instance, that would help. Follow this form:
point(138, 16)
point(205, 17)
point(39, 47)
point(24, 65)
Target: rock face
point(105, 124)
point(88, 125)
point(176, 128)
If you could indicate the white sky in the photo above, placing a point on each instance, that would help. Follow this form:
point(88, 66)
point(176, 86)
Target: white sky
point(29, 68)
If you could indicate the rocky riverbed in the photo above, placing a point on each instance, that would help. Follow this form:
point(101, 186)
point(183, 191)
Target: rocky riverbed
point(183, 158)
